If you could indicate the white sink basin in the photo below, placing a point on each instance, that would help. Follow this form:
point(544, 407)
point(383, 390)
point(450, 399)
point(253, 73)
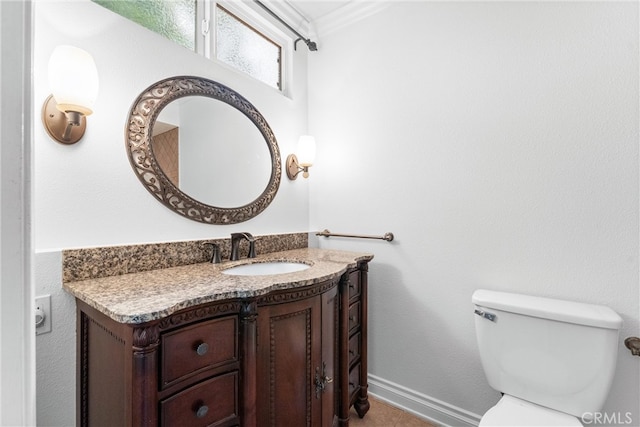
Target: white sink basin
point(265, 268)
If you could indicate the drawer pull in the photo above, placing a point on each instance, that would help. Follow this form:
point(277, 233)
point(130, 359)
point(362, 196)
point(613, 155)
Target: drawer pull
point(351, 352)
point(202, 348)
point(352, 318)
point(202, 410)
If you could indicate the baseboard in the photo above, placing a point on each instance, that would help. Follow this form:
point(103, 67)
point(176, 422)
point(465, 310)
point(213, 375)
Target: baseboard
point(421, 405)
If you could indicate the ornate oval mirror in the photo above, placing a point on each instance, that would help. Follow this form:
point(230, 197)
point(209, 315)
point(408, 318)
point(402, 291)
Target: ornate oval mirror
point(203, 150)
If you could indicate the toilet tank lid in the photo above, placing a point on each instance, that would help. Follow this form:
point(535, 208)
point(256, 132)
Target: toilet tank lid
point(549, 308)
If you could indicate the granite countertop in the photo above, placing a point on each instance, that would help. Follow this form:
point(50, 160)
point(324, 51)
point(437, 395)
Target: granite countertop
point(142, 297)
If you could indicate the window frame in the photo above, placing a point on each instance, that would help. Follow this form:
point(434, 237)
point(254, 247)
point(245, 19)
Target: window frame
point(220, 8)
point(206, 45)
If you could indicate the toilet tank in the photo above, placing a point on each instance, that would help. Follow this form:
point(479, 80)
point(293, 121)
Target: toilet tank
point(555, 353)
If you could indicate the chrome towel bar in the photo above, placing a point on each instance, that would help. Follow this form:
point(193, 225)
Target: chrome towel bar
point(326, 233)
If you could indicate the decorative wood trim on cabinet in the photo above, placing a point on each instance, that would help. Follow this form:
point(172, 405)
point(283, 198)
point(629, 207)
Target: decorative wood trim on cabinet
point(289, 295)
point(248, 380)
point(201, 312)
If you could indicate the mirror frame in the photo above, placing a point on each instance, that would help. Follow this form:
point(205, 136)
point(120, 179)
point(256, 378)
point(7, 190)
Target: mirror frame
point(139, 131)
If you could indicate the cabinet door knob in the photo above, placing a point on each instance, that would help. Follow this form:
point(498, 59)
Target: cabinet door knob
point(201, 411)
point(202, 348)
point(322, 379)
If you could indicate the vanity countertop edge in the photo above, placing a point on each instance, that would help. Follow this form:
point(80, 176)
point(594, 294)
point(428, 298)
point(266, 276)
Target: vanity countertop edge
point(151, 295)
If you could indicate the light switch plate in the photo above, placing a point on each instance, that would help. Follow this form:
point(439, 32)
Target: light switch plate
point(43, 308)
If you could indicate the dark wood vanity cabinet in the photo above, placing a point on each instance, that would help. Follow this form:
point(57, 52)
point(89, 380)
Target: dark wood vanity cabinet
point(294, 357)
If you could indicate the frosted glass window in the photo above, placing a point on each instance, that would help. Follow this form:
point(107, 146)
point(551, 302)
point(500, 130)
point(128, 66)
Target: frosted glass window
point(174, 19)
point(237, 43)
point(242, 47)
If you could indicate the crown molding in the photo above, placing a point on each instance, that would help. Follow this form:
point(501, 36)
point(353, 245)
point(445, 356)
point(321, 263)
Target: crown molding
point(342, 17)
point(291, 16)
point(347, 15)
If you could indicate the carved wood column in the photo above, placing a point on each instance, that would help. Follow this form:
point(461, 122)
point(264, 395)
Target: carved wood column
point(144, 381)
point(248, 346)
point(82, 369)
point(343, 332)
point(362, 404)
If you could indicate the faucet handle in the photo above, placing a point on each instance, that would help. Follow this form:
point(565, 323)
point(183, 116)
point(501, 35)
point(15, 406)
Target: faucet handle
point(252, 244)
point(243, 234)
point(215, 254)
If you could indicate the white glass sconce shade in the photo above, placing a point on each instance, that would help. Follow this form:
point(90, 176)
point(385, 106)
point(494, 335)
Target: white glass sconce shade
point(306, 150)
point(303, 159)
point(73, 79)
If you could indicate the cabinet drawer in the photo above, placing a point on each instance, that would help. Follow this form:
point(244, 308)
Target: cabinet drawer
point(354, 380)
point(354, 316)
point(199, 347)
point(212, 402)
point(354, 348)
point(354, 284)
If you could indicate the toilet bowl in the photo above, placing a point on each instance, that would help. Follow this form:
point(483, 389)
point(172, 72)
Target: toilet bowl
point(553, 360)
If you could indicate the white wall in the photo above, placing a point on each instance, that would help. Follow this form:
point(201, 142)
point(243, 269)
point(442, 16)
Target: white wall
point(499, 142)
point(55, 351)
point(87, 195)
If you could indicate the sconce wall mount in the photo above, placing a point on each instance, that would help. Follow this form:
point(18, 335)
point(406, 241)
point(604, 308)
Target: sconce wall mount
point(73, 80)
point(304, 159)
point(65, 127)
point(294, 168)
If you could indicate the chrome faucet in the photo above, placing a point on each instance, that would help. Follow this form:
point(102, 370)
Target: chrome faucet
point(235, 245)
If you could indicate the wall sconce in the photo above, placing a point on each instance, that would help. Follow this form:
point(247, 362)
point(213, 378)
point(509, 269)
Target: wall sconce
point(300, 162)
point(73, 80)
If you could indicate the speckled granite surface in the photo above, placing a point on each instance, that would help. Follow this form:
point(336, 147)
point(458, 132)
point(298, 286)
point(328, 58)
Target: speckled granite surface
point(92, 263)
point(144, 296)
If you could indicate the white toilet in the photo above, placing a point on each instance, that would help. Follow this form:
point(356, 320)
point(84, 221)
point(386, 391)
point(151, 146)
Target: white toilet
point(553, 360)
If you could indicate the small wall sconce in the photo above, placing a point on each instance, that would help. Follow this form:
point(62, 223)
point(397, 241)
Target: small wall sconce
point(300, 162)
point(73, 80)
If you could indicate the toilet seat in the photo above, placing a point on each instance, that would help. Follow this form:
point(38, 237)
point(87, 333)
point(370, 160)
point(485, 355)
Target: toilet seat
point(511, 411)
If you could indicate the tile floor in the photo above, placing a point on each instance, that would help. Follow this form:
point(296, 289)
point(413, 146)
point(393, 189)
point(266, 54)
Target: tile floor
point(383, 415)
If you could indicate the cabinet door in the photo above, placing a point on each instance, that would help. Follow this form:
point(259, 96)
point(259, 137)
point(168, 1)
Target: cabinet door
point(295, 365)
